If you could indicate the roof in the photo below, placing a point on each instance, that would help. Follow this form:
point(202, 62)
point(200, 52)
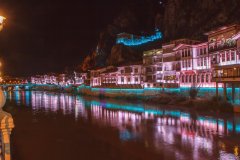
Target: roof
point(236, 36)
point(222, 28)
point(153, 52)
point(179, 41)
point(131, 64)
point(189, 45)
point(111, 70)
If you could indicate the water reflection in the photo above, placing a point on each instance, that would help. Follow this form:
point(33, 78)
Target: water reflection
point(178, 134)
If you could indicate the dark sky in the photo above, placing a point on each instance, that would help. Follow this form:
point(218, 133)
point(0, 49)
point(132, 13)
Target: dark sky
point(47, 35)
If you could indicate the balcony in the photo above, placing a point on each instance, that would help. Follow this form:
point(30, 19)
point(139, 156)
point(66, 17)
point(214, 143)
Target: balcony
point(224, 46)
point(226, 78)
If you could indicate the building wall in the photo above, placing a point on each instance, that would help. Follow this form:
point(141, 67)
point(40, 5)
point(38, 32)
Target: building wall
point(130, 75)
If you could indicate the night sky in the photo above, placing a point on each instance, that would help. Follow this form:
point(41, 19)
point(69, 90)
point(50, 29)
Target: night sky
point(42, 36)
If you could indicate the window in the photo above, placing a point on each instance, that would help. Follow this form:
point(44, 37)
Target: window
point(183, 66)
point(201, 61)
point(202, 78)
point(159, 68)
point(228, 56)
point(148, 69)
point(198, 62)
point(182, 54)
point(189, 63)
point(207, 78)
point(128, 70)
point(136, 70)
point(198, 78)
point(128, 79)
point(188, 52)
point(233, 56)
point(186, 78)
point(154, 77)
point(205, 61)
point(194, 78)
point(186, 63)
point(183, 78)
point(190, 79)
point(136, 79)
point(223, 57)
point(122, 79)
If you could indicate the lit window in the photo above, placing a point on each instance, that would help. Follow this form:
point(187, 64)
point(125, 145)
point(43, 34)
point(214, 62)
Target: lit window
point(232, 56)
point(122, 79)
point(136, 79)
point(205, 61)
point(228, 56)
point(199, 62)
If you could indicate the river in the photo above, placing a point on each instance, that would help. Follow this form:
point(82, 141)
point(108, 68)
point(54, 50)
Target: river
point(58, 126)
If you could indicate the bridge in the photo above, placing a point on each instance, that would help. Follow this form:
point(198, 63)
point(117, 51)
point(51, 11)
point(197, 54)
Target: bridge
point(27, 86)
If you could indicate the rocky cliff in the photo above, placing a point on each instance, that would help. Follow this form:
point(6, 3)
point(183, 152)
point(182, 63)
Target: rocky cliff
point(175, 18)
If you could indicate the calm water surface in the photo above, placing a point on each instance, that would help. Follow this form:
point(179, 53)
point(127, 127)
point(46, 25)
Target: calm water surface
point(51, 126)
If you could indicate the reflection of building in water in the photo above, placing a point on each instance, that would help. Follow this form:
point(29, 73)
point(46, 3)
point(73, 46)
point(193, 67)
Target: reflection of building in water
point(172, 131)
point(54, 102)
point(172, 128)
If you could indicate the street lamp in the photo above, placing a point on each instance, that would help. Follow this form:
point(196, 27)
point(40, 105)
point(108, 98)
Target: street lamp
point(2, 19)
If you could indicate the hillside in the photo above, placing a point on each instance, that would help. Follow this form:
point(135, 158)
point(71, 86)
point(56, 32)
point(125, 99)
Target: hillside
point(176, 19)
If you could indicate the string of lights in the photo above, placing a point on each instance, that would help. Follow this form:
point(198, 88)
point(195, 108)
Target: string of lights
point(135, 41)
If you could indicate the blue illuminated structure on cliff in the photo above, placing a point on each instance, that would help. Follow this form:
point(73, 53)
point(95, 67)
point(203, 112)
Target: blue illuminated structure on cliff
point(133, 40)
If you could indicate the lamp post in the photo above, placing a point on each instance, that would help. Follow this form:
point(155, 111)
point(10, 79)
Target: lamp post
point(6, 120)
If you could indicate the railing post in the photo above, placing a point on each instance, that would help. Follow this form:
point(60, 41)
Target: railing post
point(6, 126)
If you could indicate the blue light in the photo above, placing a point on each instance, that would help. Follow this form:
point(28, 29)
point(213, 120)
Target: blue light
point(139, 41)
point(229, 126)
point(238, 128)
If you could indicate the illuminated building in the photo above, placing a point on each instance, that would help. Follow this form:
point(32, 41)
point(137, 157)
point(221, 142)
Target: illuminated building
point(44, 79)
point(127, 76)
point(153, 68)
point(130, 75)
point(95, 77)
point(171, 64)
point(36, 79)
point(79, 78)
point(195, 64)
point(224, 51)
point(134, 40)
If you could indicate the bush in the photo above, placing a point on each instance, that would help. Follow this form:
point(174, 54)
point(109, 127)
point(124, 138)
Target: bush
point(193, 92)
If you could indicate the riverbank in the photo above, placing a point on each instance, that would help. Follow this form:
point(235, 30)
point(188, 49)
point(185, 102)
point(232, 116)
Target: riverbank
point(151, 96)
